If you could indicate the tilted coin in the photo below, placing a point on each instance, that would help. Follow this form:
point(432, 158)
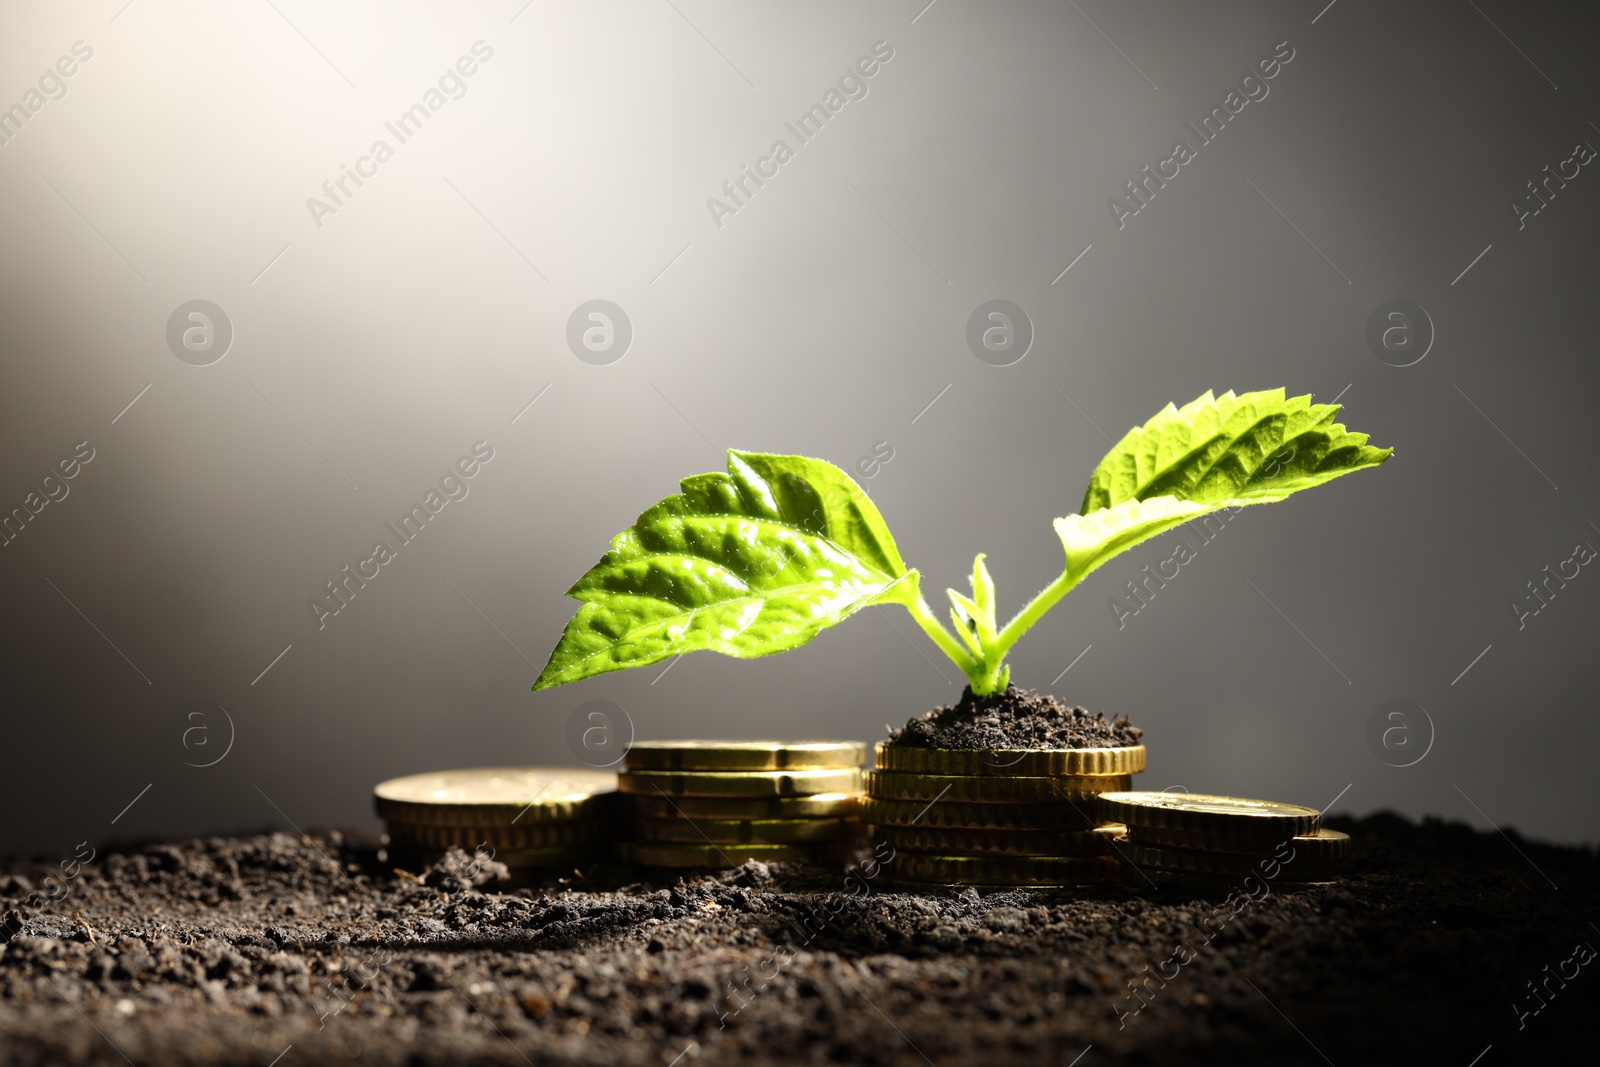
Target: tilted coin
point(495, 796)
point(744, 831)
point(740, 783)
point(517, 836)
point(730, 855)
point(819, 806)
point(744, 755)
point(1287, 864)
point(993, 842)
point(1323, 844)
point(1035, 763)
point(1319, 844)
point(984, 789)
point(1005, 870)
point(1056, 815)
point(1207, 813)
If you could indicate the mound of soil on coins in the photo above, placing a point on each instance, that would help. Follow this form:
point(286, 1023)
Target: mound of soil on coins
point(1016, 718)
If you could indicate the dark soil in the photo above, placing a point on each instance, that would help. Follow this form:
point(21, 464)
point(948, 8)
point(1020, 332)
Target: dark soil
point(234, 950)
point(1016, 718)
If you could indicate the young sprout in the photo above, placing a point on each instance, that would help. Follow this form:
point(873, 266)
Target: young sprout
point(763, 558)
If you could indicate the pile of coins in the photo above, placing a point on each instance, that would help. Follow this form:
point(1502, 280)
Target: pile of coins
point(528, 818)
point(721, 803)
point(995, 818)
point(1197, 838)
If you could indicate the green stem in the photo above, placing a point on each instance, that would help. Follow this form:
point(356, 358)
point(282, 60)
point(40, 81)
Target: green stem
point(943, 638)
point(1035, 609)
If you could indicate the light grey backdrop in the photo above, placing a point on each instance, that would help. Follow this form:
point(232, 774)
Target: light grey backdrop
point(377, 338)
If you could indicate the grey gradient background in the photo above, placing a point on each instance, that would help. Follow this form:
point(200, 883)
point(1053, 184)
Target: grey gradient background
point(373, 351)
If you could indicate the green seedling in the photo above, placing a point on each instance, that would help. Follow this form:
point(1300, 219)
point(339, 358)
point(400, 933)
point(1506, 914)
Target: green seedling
point(763, 558)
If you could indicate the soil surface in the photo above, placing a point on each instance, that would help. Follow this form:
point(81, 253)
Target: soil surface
point(240, 950)
point(1016, 718)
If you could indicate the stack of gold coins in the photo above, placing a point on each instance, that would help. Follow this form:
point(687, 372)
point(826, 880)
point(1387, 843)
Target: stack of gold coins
point(721, 803)
point(1198, 838)
point(995, 818)
point(525, 817)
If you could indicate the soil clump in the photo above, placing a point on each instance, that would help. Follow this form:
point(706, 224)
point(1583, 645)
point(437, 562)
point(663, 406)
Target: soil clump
point(1015, 719)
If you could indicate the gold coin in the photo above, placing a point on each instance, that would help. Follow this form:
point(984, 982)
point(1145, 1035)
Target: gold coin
point(1320, 844)
point(993, 842)
point(495, 796)
point(1207, 813)
point(1034, 763)
point(730, 855)
point(991, 789)
point(744, 755)
point(740, 783)
point(1291, 865)
point(946, 814)
point(1323, 844)
point(820, 806)
point(1005, 870)
point(529, 835)
point(745, 831)
point(513, 858)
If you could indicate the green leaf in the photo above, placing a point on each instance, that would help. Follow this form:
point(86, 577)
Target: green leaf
point(1250, 449)
point(826, 494)
point(755, 561)
point(1213, 453)
point(1092, 539)
point(980, 619)
point(968, 631)
point(983, 586)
